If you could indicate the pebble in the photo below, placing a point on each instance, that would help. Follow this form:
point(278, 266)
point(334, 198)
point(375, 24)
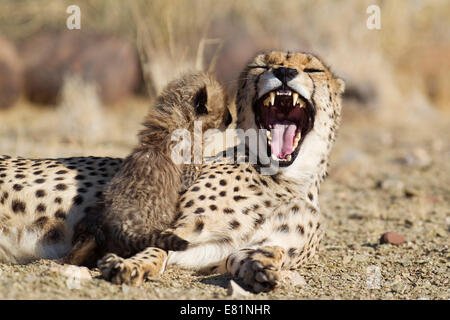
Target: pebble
point(293, 278)
point(235, 291)
point(392, 238)
point(394, 187)
point(418, 158)
point(81, 273)
point(346, 259)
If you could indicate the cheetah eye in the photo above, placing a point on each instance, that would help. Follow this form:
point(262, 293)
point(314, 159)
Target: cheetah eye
point(256, 67)
point(312, 70)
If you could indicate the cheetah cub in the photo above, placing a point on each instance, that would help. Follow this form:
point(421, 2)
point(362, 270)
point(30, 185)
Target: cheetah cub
point(140, 200)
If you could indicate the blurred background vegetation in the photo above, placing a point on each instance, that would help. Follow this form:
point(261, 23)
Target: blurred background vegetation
point(399, 72)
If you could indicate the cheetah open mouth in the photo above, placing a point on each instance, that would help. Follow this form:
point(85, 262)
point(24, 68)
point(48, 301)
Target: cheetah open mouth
point(287, 118)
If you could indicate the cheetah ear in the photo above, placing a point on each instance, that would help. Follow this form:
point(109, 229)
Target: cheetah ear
point(200, 100)
point(340, 84)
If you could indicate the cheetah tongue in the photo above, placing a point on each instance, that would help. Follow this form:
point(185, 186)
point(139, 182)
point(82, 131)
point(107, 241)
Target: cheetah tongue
point(282, 139)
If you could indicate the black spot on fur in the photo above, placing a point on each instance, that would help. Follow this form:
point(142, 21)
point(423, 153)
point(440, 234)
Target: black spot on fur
point(61, 172)
point(40, 193)
point(18, 206)
point(39, 181)
point(199, 226)
point(19, 176)
point(213, 207)
point(189, 204)
point(222, 193)
point(199, 210)
point(36, 173)
point(228, 210)
point(40, 222)
point(310, 196)
point(61, 187)
point(239, 198)
point(195, 189)
point(77, 200)
point(41, 208)
point(60, 214)
point(283, 228)
point(223, 182)
point(58, 200)
point(80, 177)
point(292, 252)
point(17, 187)
point(300, 229)
point(234, 224)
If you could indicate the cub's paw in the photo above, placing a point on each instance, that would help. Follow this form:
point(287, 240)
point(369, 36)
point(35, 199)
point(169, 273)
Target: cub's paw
point(120, 271)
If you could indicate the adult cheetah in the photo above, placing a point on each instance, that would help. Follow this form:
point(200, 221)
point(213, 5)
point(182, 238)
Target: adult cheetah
point(42, 201)
point(238, 220)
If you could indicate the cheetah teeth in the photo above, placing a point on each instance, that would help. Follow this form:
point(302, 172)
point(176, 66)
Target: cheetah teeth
point(294, 98)
point(272, 98)
point(297, 139)
point(296, 101)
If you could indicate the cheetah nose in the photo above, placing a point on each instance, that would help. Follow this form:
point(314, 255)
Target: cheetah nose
point(285, 74)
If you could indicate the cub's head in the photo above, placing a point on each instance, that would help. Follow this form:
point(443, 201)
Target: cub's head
point(293, 100)
point(193, 97)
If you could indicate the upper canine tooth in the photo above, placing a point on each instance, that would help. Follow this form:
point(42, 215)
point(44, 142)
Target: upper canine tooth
point(272, 98)
point(266, 101)
point(294, 99)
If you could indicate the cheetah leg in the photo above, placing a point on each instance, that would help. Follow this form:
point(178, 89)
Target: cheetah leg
point(81, 253)
point(135, 270)
point(258, 268)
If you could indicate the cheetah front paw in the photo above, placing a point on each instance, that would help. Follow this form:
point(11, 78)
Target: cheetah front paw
point(259, 276)
point(120, 271)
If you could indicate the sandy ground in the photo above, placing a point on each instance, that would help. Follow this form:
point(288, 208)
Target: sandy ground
point(383, 177)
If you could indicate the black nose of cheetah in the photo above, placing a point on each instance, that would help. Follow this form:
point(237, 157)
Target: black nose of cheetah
point(285, 74)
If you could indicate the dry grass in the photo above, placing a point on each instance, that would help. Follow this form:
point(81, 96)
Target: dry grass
point(406, 62)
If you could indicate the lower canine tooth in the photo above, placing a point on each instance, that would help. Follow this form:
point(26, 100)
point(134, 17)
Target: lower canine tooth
point(288, 158)
point(269, 134)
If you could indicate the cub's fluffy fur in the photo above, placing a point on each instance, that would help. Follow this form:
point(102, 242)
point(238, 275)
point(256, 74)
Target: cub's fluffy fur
point(140, 201)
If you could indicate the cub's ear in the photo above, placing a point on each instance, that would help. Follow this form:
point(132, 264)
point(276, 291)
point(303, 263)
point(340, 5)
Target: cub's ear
point(340, 85)
point(200, 100)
